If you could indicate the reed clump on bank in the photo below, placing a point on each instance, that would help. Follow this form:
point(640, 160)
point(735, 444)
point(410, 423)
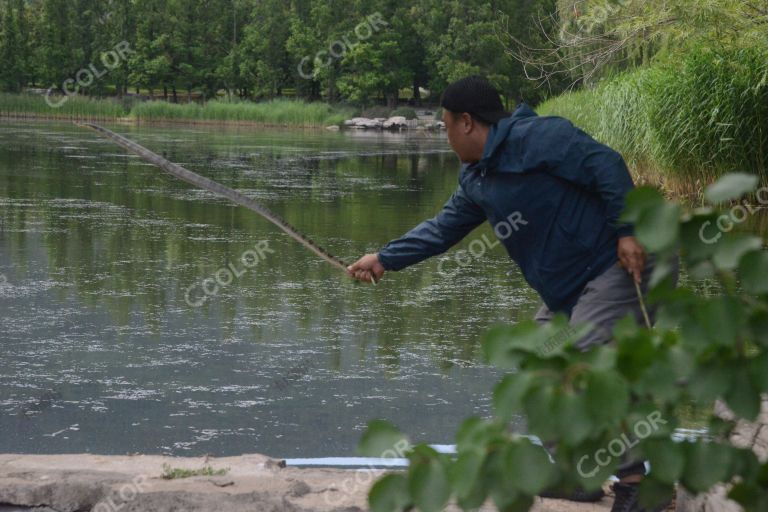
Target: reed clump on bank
point(274, 112)
point(59, 107)
point(688, 121)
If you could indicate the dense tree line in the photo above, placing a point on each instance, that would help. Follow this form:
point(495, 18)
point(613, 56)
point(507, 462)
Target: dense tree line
point(359, 51)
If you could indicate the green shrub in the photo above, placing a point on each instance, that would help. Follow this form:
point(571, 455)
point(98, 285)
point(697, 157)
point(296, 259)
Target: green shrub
point(406, 112)
point(620, 400)
point(375, 111)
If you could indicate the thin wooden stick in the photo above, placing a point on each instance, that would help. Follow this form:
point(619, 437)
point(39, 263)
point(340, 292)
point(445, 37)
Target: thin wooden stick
point(642, 304)
point(195, 179)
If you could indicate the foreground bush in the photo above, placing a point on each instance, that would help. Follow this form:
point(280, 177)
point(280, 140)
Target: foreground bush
point(622, 400)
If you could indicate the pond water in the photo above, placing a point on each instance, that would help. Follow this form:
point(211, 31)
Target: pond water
point(108, 343)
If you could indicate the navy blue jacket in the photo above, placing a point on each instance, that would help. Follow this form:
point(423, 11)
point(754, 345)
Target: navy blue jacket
point(553, 196)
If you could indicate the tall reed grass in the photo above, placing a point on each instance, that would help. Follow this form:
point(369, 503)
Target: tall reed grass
point(691, 120)
point(74, 107)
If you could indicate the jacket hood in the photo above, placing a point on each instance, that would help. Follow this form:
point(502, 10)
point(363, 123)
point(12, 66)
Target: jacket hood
point(499, 133)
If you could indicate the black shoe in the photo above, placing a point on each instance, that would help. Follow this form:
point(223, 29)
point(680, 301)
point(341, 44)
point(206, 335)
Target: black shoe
point(579, 495)
point(627, 499)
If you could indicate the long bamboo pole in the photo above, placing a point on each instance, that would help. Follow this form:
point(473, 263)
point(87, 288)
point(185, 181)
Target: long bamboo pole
point(217, 188)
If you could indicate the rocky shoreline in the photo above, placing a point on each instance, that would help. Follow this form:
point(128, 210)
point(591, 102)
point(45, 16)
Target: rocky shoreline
point(140, 483)
point(424, 121)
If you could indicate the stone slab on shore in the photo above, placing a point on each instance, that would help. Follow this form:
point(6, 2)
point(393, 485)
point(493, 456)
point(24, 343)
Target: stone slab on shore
point(135, 483)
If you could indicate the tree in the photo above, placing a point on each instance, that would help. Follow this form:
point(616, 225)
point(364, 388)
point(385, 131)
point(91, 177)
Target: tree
point(267, 58)
point(12, 47)
point(150, 66)
point(583, 41)
point(57, 58)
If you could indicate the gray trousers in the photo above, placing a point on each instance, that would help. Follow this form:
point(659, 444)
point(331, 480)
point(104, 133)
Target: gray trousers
point(605, 300)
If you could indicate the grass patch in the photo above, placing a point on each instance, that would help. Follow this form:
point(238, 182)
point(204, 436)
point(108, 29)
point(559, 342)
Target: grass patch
point(72, 107)
point(275, 112)
point(170, 473)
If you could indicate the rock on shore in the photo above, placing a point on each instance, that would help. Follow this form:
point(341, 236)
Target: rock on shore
point(393, 123)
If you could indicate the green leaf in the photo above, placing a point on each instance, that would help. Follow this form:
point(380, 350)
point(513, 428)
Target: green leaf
point(753, 270)
point(429, 486)
point(598, 358)
point(508, 394)
point(571, 417)
point(389, 494)
point(706, 464)
point(709, 382)
point(635, 354)
point(722, 320)
point(540, 407)
point(744, 462)
point(382, 439)
point(647, 421)
point(660, 380)
point(590, 473)
point(758, 326)
point(559, 334)
point(640, 200)
point(512, 502)
point(498, 344)
point(749, 496)
point(607, 397)
point(702, 271)
point(653, 493)
point(474, 434)
point(731, 249)
point(731, 186)
point(757, 372)
point(662, 272)
point(528, 468)
point(465, 473)
point(741, 396)
point(658, 228)
point(698, 237)
point(505, 346)
point(682, 361)
point(666, 457)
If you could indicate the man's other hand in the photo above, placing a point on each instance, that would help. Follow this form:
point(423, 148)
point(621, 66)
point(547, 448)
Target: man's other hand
point(367, 267)
point(632, 257)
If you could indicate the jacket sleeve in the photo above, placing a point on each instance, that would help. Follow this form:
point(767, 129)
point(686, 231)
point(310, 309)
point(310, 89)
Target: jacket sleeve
point(600, 169)
point(459, 216)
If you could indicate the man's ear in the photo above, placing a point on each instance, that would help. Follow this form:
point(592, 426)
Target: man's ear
point(467, 123)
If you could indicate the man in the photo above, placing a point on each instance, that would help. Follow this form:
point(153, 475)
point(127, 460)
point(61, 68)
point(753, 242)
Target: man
point(564, 193)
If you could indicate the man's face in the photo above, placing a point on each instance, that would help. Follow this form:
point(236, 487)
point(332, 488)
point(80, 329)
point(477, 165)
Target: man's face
point(462, 135)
